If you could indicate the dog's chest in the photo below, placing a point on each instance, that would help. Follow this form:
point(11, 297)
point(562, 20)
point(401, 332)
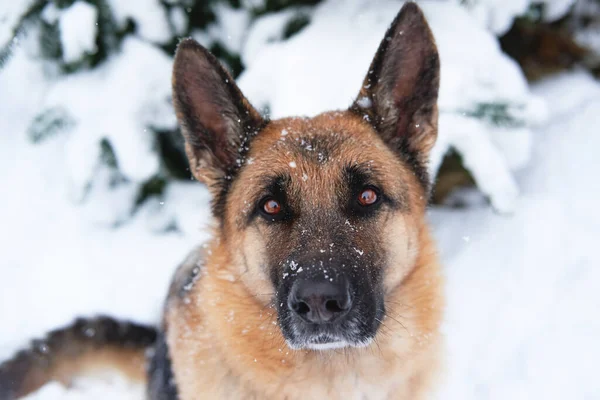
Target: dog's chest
point(204, 379)
point(342, 387)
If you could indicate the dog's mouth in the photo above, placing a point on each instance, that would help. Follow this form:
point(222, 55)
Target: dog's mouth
point(328, 342)
point(333, 342)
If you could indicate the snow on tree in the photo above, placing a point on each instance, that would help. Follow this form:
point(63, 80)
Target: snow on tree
point(106, 79)
point(498, 15)
point(77, 27)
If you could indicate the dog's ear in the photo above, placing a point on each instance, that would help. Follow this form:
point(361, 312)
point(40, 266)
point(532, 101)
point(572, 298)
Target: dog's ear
point(216, 119)
point(399, 93)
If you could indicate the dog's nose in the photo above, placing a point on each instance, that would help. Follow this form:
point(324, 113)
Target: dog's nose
point(320, 301)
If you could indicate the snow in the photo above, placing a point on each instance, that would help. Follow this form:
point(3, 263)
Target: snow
point(230, 27)
point(78, 31)
point(50, 13)
point(269, 28)
point(149, 15)
point(556, 9)
point(91, 389)
point(120, 101)
point(179, 19)
point(498, 15)
point(11, 13)
point(479, 155)
point(588, 36)
point(522, 292)
point(474, 73)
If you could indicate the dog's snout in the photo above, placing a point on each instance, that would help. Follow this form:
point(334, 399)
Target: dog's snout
point(320, 301)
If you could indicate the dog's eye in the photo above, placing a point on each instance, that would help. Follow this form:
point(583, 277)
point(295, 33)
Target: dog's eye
point(271, 206)
point(272, 210)
point(368, 197)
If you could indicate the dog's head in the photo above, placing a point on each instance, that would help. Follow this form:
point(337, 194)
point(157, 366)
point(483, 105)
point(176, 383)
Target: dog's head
point(320, 216)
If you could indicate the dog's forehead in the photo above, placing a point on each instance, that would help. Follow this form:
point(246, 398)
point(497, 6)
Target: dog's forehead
point(335, 136)
point(315, 155)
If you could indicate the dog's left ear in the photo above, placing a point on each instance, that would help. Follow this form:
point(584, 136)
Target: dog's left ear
point(399, 93)
point(216, 119)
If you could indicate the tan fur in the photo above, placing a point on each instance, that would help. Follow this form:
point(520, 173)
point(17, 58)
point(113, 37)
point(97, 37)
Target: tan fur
point(224, 339)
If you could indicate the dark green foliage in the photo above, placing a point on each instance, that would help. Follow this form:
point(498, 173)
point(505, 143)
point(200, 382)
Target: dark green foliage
point(295, 25)
point(107, 154)
point(534, 13)
point(154, 186)
point(172, 153)
point(200, 15)
point(496, 113)
point(109, 36)
point(49, 123)
point(49, 40)
point(62, 4)
point(278, 5)
point(233, 61)
point(109, 159)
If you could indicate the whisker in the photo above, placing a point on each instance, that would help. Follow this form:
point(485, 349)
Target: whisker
point(399, 323)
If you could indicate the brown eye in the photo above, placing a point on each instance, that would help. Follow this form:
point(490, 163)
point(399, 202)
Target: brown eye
point(367, 197)
point(272, 207)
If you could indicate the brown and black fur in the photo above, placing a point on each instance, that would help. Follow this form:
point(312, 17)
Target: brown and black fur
point(230, 327)
point(88, 345)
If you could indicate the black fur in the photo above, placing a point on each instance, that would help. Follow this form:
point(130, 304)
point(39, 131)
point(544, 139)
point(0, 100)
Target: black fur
point(360, 177)
point(186, 275)
point(161, 382)
point(275, 187)
point(224, 184)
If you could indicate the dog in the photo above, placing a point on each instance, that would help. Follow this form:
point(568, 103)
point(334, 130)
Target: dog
point(321, 279)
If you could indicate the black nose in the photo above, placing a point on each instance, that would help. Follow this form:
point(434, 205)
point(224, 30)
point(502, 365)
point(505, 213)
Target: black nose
point(320, 301)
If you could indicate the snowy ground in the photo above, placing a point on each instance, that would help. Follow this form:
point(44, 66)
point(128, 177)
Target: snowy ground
point(522, 289)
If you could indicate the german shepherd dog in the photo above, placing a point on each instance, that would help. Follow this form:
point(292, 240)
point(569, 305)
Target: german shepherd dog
point(321, 280)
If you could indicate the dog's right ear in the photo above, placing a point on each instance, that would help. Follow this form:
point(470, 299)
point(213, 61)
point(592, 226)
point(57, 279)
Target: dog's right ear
point(216, 119)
